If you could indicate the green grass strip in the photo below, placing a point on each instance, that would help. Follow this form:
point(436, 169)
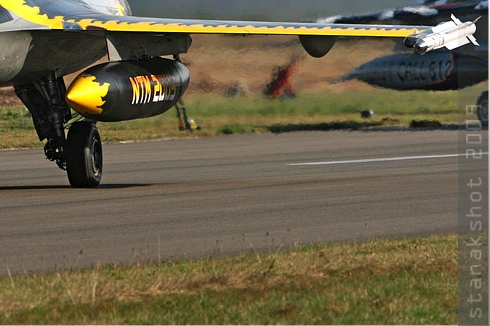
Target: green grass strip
point(218, 115)
point(405, 281)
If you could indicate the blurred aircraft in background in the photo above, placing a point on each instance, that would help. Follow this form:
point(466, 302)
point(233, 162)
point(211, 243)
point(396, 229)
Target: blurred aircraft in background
point(439, 70)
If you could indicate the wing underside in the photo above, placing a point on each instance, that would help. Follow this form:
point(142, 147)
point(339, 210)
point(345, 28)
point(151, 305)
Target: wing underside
point(95, 21)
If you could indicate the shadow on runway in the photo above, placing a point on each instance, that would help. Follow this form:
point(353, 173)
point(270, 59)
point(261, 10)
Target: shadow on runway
point(59, 187)
point(323, 126)
point(362, 126)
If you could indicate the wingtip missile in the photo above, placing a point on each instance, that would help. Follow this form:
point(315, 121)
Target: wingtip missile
point(451, 35)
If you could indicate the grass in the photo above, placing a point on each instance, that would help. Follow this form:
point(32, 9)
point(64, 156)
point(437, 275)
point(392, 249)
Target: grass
point(16, 128)
point(403, 281)
point(217, 115)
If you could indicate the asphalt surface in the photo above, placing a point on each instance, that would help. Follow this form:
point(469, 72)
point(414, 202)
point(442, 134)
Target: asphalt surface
point(226, 195)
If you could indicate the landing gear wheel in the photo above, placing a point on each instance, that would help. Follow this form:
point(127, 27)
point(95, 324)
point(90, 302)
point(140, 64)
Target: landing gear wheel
point(84, 155)
point(482, 111)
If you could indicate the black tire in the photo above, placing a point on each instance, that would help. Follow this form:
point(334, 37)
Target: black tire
point(482, 111)
point(84, 155)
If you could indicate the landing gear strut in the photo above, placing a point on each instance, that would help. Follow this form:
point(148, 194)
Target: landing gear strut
point(80, 154)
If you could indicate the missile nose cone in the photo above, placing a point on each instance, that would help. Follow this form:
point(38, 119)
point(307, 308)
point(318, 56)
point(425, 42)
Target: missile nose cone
point(421, 47)
point(86, 96)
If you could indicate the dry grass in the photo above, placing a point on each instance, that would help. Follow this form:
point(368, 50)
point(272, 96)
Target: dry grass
point(394, 281)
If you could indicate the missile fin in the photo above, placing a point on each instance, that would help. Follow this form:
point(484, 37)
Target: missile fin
point(456, 20)
point(473, 40)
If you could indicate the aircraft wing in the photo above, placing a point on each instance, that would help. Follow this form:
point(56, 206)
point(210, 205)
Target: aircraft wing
point(140, 24)
point(90, 20)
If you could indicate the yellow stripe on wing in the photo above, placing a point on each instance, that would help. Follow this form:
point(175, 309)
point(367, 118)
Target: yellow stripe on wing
point(131, 24)
point(32, 14)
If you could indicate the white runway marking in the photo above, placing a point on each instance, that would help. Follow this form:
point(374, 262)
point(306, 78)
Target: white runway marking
point(385, 159)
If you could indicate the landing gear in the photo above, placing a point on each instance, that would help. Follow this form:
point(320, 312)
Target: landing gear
point(482, 110)
point(80, 154)
point(84, 155)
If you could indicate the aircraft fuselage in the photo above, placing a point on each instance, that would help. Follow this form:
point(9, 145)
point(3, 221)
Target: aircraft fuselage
point(31, 55)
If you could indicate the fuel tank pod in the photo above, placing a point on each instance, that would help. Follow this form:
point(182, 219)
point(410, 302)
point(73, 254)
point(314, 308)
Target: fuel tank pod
point(127, 90)
point(433, 71)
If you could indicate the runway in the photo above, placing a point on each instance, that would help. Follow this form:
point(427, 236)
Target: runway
point(226, 195)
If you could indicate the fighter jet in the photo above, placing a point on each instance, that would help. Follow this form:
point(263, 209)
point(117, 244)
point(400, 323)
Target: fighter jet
point(451, 64)
point(45, 40)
